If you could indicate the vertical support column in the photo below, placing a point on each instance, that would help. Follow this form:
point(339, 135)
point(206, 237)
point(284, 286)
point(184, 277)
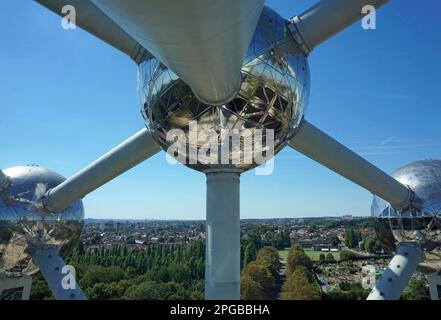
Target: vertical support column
point(398, 273)
point(434, 280)
point(15, 288)
point(222, 249)
point(27, 284)
point(51, 266)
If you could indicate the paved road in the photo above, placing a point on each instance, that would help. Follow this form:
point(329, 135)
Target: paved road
point(282, 277)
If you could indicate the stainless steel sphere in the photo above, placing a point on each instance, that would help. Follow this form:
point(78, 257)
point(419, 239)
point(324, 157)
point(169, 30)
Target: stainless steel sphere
point(273, 95)
point(424, 178)
point(25, 226)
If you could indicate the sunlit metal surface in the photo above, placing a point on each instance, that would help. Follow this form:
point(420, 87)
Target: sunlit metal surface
point(202, 41)
point(424, 178)
point(273, 95)
point(25, 226)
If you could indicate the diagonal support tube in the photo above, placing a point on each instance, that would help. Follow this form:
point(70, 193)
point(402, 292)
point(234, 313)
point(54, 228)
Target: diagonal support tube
point(125, 156)
point(398, 273)
point(222, 249)
point(320, 147)
point(58, 276)
point(327, 18)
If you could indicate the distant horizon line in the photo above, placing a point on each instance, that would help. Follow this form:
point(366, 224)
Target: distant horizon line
point(274, 218)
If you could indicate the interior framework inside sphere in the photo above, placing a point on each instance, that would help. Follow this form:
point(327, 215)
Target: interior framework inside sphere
point(424, 178)
point(273, 96)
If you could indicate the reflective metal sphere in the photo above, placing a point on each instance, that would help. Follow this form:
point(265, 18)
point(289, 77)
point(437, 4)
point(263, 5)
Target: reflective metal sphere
point(25, 226)
point(273, 95)
point(424, 178)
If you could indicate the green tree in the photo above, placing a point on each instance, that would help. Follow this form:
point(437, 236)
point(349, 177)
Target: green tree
point(416, 289)
point(322, 258)
point(100, 291)
point(298, 258)
point(97, 274)
point(335, 241)
point(269, 258)
point(300, 285)
point(371, 244)
point(352, 238)
point(330, 258)
point(348, 291)
point(282, 239)
point(349, 238)
point(314, 226)
point(262, 276)
point(109, 273)
point(145, 291)
point(346, 255)
point(179, 273)
point(250, 253)
point(250, 289)
point(39, 289)
point(255, 235)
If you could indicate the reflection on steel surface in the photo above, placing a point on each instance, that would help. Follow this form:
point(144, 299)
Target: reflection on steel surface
point(25, 226)
point(273, 94)
point(424, 225)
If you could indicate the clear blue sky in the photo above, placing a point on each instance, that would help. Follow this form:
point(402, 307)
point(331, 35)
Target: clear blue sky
point(66, 98)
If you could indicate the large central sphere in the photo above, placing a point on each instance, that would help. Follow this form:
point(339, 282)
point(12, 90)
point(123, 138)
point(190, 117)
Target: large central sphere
point(273, 96)
point(424, 225)
point(26, 227)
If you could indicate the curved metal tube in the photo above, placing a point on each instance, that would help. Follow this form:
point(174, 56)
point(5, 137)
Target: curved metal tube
point(52, 268)
point(203, 41)
point(398, 273)
point(329, 17)
point(125, 156)
point(320, 147)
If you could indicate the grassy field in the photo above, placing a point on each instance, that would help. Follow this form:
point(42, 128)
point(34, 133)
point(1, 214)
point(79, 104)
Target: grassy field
point(314, 255)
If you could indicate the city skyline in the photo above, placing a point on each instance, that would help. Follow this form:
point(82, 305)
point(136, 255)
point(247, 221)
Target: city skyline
point(75, 100)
